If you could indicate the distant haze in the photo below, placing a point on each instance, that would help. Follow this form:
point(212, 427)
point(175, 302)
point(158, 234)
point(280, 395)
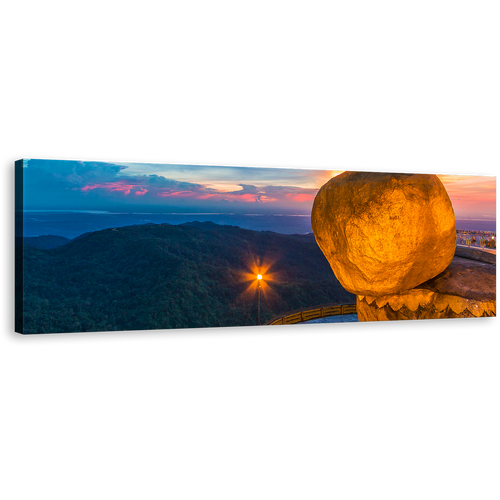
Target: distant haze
point(72, 224)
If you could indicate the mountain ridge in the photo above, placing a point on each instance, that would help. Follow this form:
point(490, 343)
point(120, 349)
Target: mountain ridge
point(158, 276)
point(46, 241)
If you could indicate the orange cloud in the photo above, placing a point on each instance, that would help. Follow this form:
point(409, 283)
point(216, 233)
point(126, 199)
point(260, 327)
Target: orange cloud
point(245, 197)
point(471, 195)
point(177, 194)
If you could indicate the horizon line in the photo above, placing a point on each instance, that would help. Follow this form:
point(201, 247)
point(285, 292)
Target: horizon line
point(103, 212)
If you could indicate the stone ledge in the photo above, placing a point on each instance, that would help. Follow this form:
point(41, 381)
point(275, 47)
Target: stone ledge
point(479, 254)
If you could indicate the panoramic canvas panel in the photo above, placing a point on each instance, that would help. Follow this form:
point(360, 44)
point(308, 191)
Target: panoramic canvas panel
point(106, 246)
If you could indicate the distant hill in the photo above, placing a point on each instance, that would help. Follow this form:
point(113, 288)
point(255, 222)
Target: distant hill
point(46, 242)
point(170, 276)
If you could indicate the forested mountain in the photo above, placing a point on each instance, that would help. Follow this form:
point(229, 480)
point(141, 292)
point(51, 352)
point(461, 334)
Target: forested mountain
point(170, 276)
point(46, 242)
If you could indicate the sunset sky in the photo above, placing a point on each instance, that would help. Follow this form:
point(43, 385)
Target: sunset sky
point(143, 187)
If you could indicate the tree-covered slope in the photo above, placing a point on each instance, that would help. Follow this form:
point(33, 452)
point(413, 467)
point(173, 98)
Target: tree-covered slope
point(165, 276)
point(46, 242)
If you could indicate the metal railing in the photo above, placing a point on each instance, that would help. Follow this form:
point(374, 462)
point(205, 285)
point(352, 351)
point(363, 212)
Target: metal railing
point(478, 239)
point(306, 314)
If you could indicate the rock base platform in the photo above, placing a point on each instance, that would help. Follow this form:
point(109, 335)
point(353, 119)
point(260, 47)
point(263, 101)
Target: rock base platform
point(465, 289)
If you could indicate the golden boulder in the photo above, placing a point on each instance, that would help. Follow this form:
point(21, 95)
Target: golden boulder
point(384, 233)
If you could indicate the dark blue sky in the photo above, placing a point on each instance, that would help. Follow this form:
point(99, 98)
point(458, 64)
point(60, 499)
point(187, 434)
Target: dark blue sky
point(77, 185)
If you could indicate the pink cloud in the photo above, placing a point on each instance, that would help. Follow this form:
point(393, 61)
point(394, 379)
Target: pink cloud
point(300, 197)
point(216, 196)
point(158, 188)
point(112, 186)
point(248, 197)
point(262, 195)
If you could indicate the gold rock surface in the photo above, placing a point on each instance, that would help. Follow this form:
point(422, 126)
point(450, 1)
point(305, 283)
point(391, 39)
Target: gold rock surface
point(383, 233)
point(466, 289)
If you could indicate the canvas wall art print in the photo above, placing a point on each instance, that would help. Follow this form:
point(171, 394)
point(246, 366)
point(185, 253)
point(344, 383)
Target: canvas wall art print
point(107, 246)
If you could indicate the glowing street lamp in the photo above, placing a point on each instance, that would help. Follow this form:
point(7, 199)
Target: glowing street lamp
point(259, 279)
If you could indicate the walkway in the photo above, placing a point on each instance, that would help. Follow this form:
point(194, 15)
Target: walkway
point(343, 318)
point(310, 313)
